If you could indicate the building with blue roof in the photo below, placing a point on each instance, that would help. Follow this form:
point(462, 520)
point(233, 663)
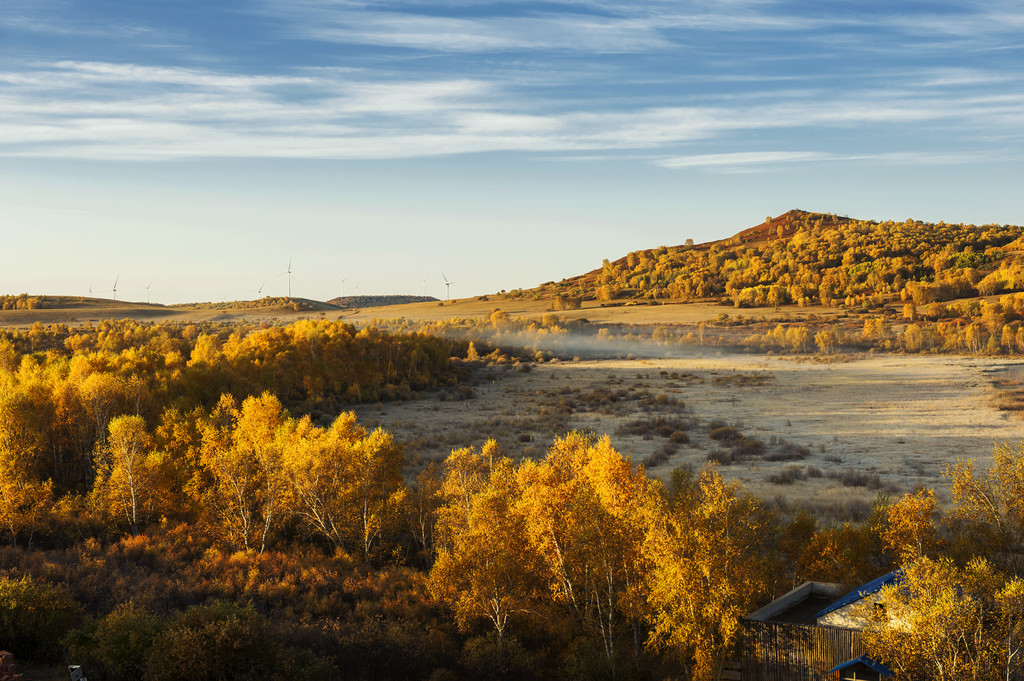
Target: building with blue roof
point(847, 612)
point(811, 633)
point(860, 668)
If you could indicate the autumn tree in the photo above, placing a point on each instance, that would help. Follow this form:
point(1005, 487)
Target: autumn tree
point(987, 517)
point(584, 506)
point(129, 474)
point(837, 554)
point(947, 623)
point(485, 566)
point(346, 482)
point(24, 497)
point(911, 526)
point(422, 505)
point(242, 453)
point(711, 566)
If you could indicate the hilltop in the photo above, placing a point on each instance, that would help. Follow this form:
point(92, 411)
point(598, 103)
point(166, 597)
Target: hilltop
point(815, 259)
point(350, 302)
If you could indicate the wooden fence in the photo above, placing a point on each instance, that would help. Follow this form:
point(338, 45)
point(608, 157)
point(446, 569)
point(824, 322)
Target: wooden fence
point(770, 651)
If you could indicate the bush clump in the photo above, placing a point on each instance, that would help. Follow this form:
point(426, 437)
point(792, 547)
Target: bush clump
point(34, 616)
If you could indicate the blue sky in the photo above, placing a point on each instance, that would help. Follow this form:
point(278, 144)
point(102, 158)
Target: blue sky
point(198, 146)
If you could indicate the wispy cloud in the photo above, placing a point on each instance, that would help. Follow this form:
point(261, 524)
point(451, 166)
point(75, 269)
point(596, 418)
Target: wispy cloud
point(124, 111)
point(573, 32)
point(57, 18)
point(744, 160)
point(594, 26)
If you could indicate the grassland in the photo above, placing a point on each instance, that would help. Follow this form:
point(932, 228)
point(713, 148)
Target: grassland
point(834, 433)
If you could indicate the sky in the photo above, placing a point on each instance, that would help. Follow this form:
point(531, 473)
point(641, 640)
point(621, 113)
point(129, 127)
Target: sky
point(197, 147)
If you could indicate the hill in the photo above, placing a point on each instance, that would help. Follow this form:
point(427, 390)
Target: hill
point(266, 303)
point(814, 258)
point(350, 302)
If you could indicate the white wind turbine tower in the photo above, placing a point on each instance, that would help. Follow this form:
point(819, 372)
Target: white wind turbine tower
point(447, 286)
point(147, 292)
point(289, 273)
point(424, 280)
point(259, 291)
point(114, 290)
point(343, 287)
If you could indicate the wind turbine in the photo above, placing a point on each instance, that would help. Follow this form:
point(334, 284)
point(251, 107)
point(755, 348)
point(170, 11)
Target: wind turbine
point(114, 290)
point(147, 292)
point(424, 280)
point(447, 286)
point(289, 273)
point(343, 288)
point(259, 291)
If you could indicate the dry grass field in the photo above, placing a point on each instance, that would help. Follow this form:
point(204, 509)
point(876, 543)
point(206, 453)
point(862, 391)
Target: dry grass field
point(623, 313)
point(829, 433)
point(94, 309)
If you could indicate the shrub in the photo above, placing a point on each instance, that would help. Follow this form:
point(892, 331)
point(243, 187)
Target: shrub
point(34, 616)
point(789, 452)
point(787, 476)
point(484, 657)
point(746, 447)
point(663, 454)
point(852, 478)
point(679, 437)
point(115, 647)
point(224, 642)
point(724, 434)
point(723, 457)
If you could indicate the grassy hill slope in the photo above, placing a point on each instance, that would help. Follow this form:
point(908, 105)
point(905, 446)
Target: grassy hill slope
point(813, 258)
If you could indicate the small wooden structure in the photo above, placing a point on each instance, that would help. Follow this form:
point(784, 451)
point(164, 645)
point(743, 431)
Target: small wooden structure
point(795, 637)
point(862, 668)
point(778, 651)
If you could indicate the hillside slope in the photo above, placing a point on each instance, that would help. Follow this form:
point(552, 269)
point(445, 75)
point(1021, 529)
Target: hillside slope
point(813, 258)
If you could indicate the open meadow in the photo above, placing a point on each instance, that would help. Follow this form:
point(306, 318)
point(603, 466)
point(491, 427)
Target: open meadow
point(823, 432)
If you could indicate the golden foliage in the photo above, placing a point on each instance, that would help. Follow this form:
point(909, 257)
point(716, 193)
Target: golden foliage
point(709, 569)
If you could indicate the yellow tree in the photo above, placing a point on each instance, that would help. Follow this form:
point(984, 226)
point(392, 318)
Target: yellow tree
point(242, 453)
point(422, 505)
point(24, 497)
point(710, 567)
point(987, 517)
point(485, 566)
point(376, 488)
point(347, 482)
point(102, 394)
point(911, 526)
point(837, 554)
point(947, 623)
point(583, 506)
point(129, 474)
point(466, 472)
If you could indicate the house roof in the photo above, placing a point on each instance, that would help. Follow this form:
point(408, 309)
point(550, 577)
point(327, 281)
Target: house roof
point(860, 592)
point(867, 662)
point(799, 605)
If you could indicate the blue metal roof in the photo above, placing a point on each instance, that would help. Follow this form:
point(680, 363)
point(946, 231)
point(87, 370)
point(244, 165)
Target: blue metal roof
point(860, 592)
point(866, 661)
